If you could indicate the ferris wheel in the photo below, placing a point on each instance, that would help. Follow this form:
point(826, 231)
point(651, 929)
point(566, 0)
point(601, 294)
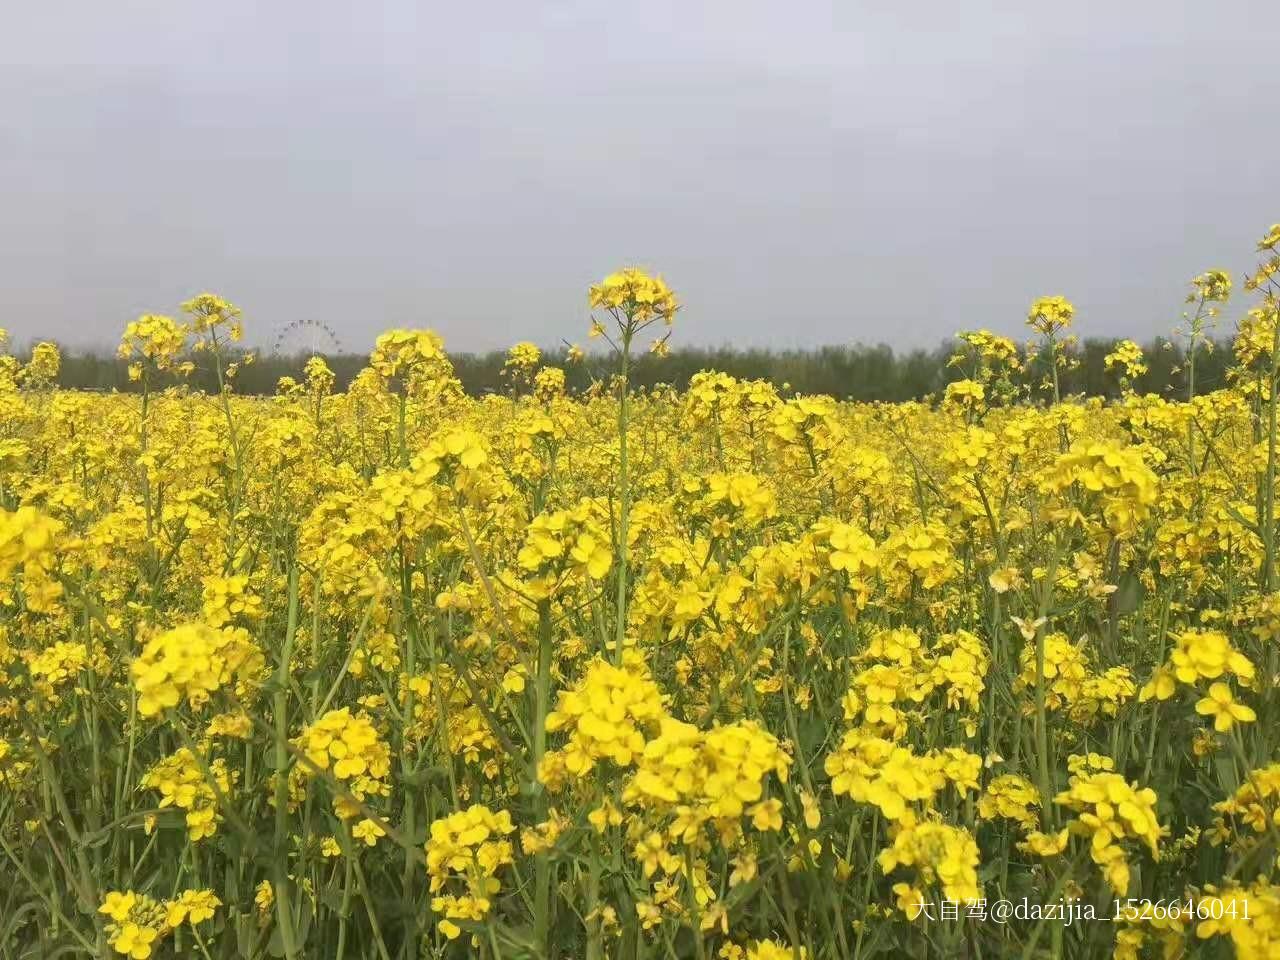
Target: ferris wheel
point(305, 336)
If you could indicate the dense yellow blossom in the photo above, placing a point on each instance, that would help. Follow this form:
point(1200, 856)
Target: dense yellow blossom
point(370, 667)
point(191, 662)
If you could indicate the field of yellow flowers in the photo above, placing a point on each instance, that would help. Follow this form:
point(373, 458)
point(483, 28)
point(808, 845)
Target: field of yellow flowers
point(727, 673)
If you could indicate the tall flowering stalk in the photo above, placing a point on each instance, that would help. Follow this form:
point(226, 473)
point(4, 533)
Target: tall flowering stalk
point(635, 301)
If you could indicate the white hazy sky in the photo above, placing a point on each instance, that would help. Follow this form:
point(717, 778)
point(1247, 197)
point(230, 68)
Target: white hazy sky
point(802, 173)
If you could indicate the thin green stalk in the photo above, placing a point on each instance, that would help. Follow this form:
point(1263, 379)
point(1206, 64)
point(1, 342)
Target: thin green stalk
point(279, 708)
point(542, 706)
point(624, 495)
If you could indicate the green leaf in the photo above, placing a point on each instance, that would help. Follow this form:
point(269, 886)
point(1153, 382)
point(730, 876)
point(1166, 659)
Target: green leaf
point(1129, 594)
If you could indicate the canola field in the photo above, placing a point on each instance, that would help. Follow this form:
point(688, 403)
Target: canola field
point(724, 673)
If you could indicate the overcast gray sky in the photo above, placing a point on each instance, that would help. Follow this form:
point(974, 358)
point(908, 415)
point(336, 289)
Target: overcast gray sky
point(801, 172)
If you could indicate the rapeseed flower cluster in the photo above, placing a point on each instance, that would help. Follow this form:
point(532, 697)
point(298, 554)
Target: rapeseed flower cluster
point(137, 924)
point(719, 775)
point(608, 716)
point(192, 784)
point(467, 849)
point(153, 341)
point(941, 855)
point(1108, 811)
point(347, 745)
point(27, 540)
point(191, 662)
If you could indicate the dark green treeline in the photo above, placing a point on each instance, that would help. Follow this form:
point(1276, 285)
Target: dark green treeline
point(855, 372)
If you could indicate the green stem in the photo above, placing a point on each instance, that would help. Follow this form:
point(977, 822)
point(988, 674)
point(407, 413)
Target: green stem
point(624, 494)
point(279, 711)
point(542, 706)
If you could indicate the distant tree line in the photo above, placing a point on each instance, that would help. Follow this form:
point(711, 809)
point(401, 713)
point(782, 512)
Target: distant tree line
point(854, 372)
